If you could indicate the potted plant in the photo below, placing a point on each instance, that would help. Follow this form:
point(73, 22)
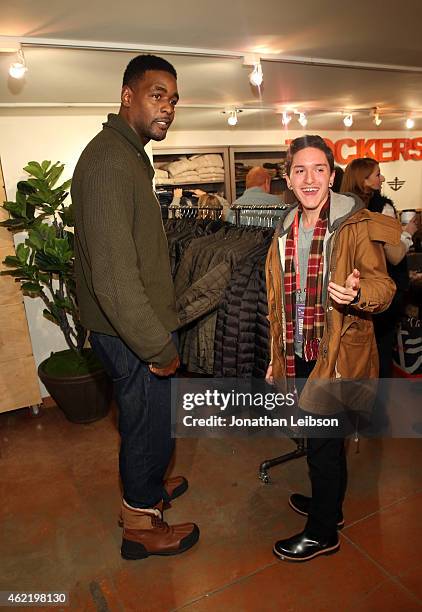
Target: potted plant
point(44, 266)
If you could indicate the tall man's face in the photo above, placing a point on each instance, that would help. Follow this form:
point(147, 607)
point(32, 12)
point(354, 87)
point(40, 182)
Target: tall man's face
point(149, 104)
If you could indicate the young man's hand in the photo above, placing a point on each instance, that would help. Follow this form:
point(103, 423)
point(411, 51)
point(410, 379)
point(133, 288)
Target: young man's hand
point(168, 370)
point(345, 295)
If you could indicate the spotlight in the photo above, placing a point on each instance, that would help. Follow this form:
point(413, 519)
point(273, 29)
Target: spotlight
point(376, 117)
point(410, 123)
point(348, 120)
point(17, 69)
point(256, 76)
point(303, 120)
point(232, 118)
point(286, 118)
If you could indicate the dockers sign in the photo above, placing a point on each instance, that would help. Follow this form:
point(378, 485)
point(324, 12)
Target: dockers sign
point(381, 149)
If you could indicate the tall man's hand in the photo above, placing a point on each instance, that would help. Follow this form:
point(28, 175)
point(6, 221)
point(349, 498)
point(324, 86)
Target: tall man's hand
point(345, 295)
point(168, 370)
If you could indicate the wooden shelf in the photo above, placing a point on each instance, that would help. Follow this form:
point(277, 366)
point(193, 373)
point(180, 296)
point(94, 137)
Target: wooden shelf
point(176, 183)
point(161, 154)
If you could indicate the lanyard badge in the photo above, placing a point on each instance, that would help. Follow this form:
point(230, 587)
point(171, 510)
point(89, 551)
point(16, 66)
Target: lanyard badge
point(300, 308)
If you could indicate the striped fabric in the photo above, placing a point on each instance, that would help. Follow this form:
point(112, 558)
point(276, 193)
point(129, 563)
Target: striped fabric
point(313, 323)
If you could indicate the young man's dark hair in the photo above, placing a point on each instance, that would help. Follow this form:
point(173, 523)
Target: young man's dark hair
point(137, 67)
point(303, 142)
point(338, 177)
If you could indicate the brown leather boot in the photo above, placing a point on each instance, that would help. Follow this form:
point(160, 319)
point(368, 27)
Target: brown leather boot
point(145, 533)
point(174, 486)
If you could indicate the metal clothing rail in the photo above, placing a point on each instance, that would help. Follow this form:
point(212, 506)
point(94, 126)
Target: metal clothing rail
point(300, 450)
point(195, 212)
point(241, 208)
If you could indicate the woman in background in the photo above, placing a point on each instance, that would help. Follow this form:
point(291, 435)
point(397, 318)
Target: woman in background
point(209, 207)
point(217, 203)
point(363, 177)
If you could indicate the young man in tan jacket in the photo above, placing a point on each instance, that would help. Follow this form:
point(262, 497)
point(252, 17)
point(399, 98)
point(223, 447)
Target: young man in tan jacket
point(326, 276)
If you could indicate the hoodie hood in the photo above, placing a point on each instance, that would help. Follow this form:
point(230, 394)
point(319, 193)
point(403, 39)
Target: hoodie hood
point(342, 206)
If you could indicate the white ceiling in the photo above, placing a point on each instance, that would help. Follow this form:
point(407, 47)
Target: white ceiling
point(379, 32)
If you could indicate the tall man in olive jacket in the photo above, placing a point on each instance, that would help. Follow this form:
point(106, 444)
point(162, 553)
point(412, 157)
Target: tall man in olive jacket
point(126, 298)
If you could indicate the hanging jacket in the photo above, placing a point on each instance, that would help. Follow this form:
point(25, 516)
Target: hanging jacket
point(201, 280)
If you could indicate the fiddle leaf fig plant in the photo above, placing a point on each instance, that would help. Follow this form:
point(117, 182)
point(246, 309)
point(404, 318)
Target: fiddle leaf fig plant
point(44, 262)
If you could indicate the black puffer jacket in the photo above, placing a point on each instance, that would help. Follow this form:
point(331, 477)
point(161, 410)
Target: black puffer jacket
point(247, 324)
point(230, 335)
point(240, 316)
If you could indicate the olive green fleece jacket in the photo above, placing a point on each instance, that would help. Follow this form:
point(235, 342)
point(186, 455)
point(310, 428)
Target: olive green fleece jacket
point(123, 277)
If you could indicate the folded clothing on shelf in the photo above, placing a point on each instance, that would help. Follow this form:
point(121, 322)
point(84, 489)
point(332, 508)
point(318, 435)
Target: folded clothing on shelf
point(218, 178)
point(213, 160)
point(182, 166)
point(187, 177)
point(211, 170)
point(161, 174)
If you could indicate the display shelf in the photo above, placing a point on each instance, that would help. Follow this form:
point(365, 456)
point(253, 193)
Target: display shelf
point(169, 154)
point(254, 156)
point(177, 183)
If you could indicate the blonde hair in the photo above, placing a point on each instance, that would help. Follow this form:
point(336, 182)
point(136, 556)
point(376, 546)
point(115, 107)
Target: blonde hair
point(209, 201)
point(355, 175)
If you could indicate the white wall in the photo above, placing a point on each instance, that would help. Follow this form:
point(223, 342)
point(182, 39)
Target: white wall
point(409, 196)
point(63, 137)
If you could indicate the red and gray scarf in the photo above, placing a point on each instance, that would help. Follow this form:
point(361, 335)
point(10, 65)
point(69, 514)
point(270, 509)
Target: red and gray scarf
point(313, 323)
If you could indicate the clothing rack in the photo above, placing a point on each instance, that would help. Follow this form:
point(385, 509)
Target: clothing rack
point(195, 212)
point(266, 210)
point(300, 450)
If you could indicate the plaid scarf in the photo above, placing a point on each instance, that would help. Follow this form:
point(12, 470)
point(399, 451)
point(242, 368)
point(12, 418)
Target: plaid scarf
point(313, 323)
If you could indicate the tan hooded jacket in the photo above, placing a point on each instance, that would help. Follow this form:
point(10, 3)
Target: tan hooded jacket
point(348, 350)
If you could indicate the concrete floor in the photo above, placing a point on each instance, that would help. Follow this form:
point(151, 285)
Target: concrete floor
point(60, 502)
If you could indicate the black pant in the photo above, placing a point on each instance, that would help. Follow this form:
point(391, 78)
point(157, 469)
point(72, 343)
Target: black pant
point(327, 465)
point(144, 421)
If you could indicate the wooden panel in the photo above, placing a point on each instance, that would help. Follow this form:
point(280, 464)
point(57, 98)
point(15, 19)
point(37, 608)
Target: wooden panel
point(6, 239)
point(10, 292)
point(3, 213)
point(18, 384)
point(14, 335)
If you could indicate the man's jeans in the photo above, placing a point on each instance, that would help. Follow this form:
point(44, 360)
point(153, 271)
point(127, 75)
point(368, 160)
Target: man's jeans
point(144, 420)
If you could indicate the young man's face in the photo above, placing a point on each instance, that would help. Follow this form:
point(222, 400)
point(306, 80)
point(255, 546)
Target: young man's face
point(310, 176)
point(149, 105)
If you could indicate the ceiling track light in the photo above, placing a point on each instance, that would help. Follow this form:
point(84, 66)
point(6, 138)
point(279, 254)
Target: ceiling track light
point(410, 123)
point(303, 120)
point(256, 76)
point(348, 120)
point(286, 118)
point(232, 118)
point(376, 117)
point(232, 115)
point(18, 69)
